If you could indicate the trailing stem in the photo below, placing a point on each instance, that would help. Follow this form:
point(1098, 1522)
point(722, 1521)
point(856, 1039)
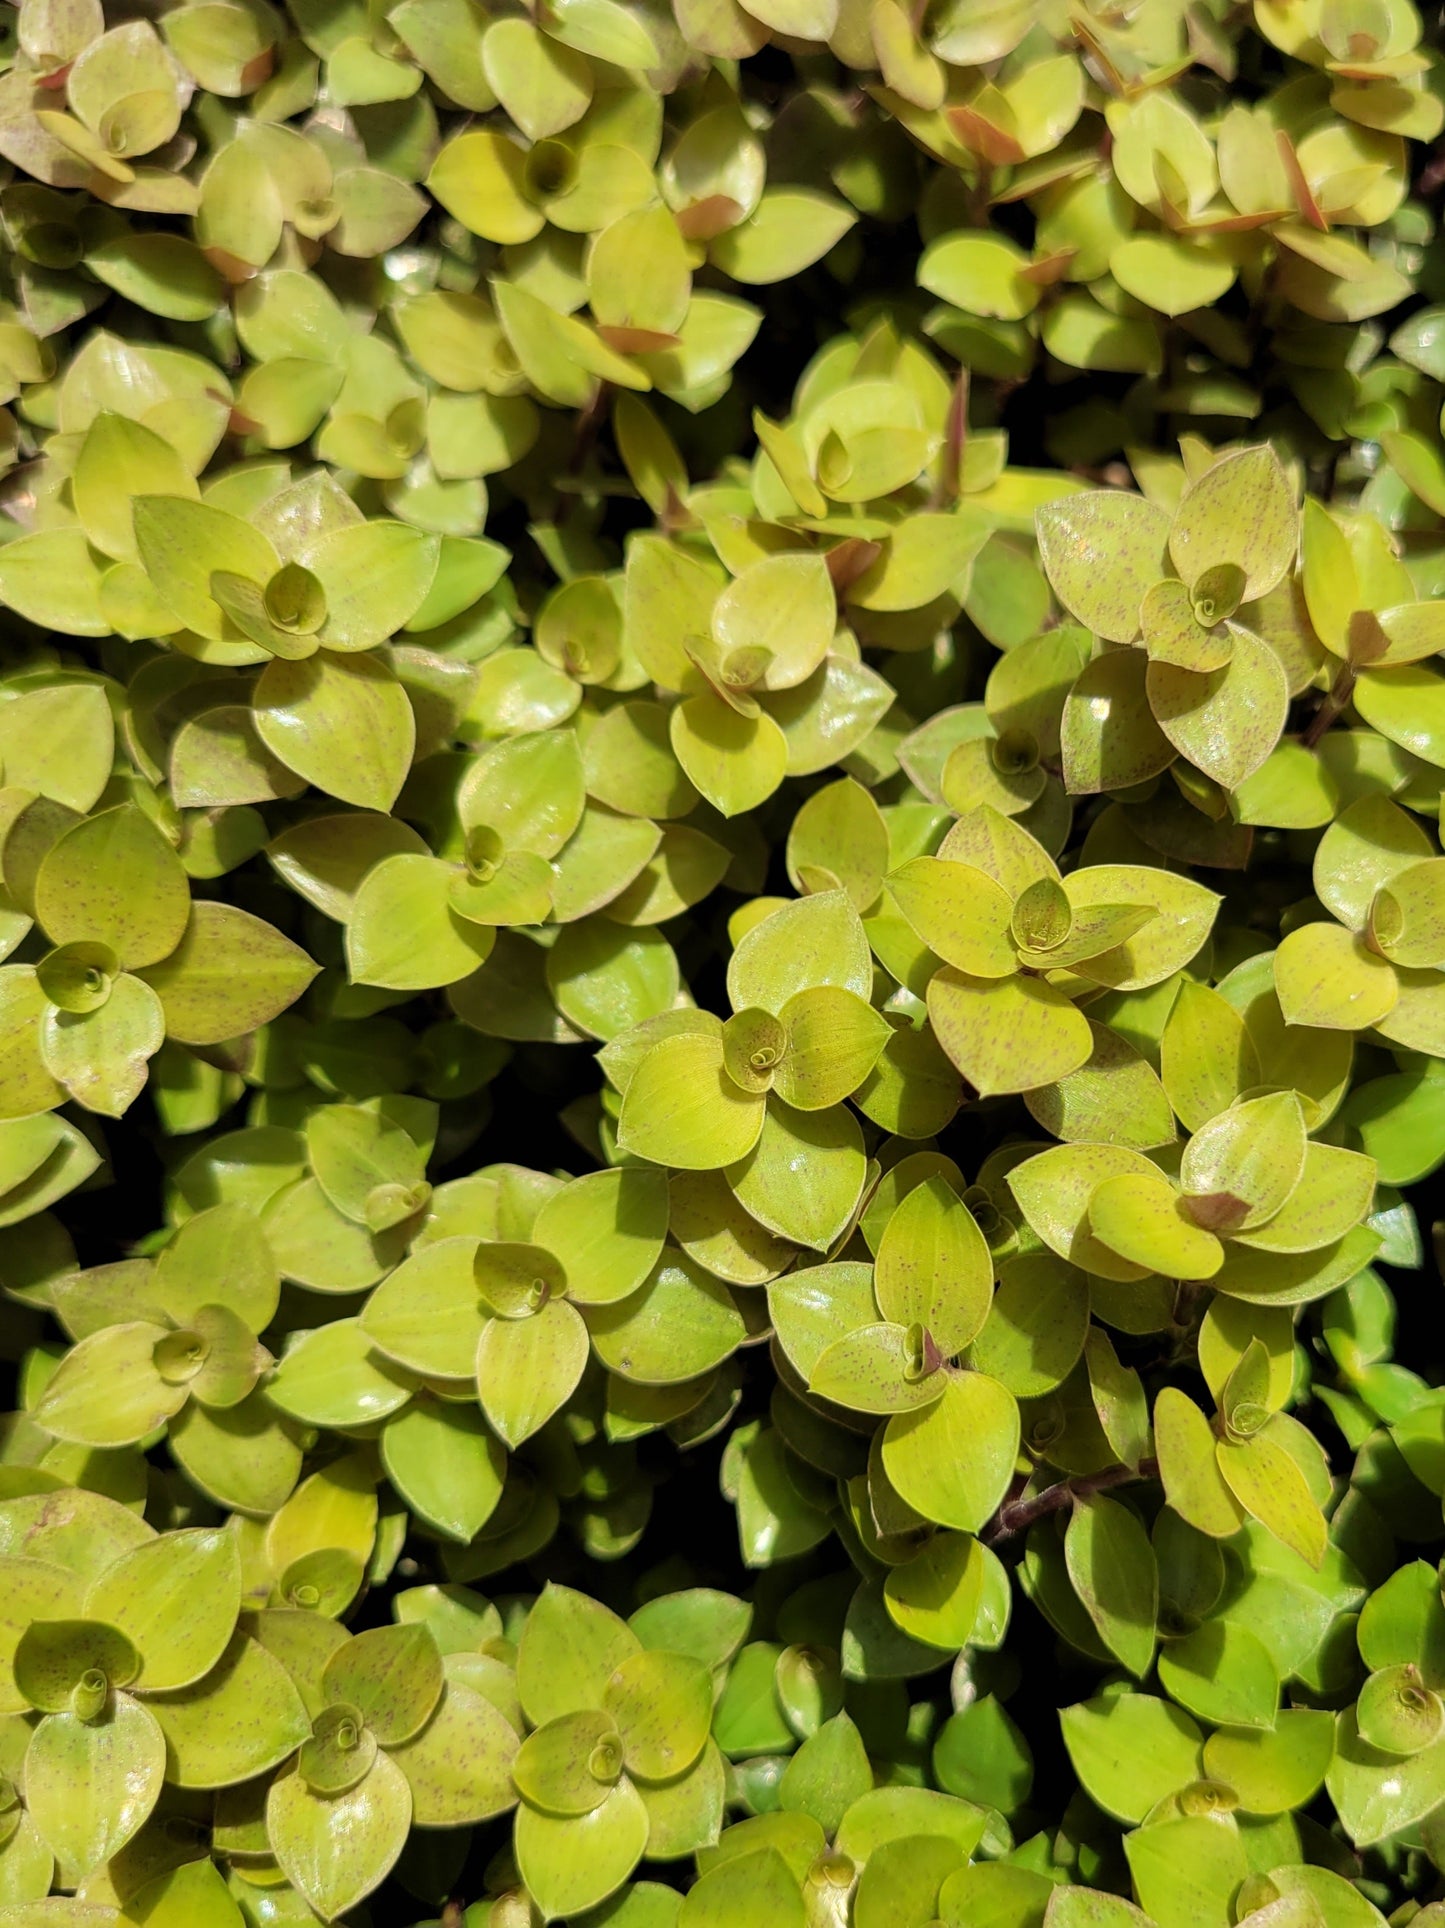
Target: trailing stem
point(1017, 1516)
point(1335, 704)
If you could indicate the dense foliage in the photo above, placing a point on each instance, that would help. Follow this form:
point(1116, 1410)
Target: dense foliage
point(721, 739)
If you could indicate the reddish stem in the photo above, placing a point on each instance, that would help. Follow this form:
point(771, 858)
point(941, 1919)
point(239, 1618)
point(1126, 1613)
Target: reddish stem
point(1016, 1516)
point(1341, 690)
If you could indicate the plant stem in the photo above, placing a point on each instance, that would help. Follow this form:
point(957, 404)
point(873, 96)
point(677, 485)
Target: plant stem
point(1016, 1516)
point(1341, 690)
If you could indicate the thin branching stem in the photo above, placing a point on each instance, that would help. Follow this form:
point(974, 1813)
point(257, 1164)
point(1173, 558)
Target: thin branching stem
point(1017, 1516)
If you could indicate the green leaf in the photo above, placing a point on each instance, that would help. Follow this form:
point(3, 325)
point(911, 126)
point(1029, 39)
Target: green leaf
point(230, 974)
point(195, 1892)
point(1185, 914)
point(569, 1649)
point(176, 1598)
point(606, 978)
point(446, 1465)
point(834, 1039)
point(344, 724)
point(528, 1368)
point(1036, 1326)
point(528, 791)
point(935, 1596)
point(163, 273)
point(542, 85)
point(1241, 510)
point(736, 761)
point(661, 1704)
point(781, 613)
point(181, 544)
point(1402, 1622)
point(30, 1089)
point(1093, 1908)
point(1144, 1221)
point(980, 273)
point(107, 1391)
point(750, 1719)
point(961, 914)
point(59, 742)
point(391, 1675)
point(55, 1660)
point(51, 578)
point(678, 1325)
point(1397, 1713)
point(737, 1891)
point(427, 1315)
point(114, 880)
point(1171, 274)
point(403, 933)
point(607, 1231)
point(1378, 1794)
point(241, 1456)
point(330, 1376)
point(1407, 705)
point(571, 1764)
point(879, 1369)
point(681, 1108)
point(1222, 1673)
point(242, 1718)
point(953, 1459)
point(478, 177)
point(933, 1267)
point(925, 557)
point(818, 940)
point(90, 1785)
point(1207, 1058)
point(1007, 1034)
point(1225, 721)
point(217, 1257)
point(573, 1862)
point(85, 1535)
point(1112, 1567)
point(337, 1848)
point(1054, 1188)
point(980, 1754)
point(811, 1307)
point(325, 859)
point(788, 230)
point(1131, 1750)
point(805, 1175)
point(1239, 1169)
point(900, 1813)
point(683, 1815)
point(1273, 1770)
point(459, 1766)
point(102, 1057)
point(1102, 552)
point(1110, 739)
point(904, 1875)
point(1187, 1868)
point(1194, 1483)
point(1115, 1098)
point(1267, 1481)
point(369, 1169)
point(827, 1774)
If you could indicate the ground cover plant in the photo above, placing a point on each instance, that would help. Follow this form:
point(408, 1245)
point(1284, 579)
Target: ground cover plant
point(722, 964)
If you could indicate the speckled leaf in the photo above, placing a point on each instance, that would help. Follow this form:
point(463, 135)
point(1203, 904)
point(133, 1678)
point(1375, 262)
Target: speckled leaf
point(346, 726)
point(1007, 1034)
point(1102, 551)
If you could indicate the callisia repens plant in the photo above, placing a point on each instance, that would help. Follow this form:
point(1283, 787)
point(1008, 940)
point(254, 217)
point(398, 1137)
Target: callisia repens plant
point(722, 964)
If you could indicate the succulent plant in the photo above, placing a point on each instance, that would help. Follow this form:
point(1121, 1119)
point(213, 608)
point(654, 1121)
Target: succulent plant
point(722, 964)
